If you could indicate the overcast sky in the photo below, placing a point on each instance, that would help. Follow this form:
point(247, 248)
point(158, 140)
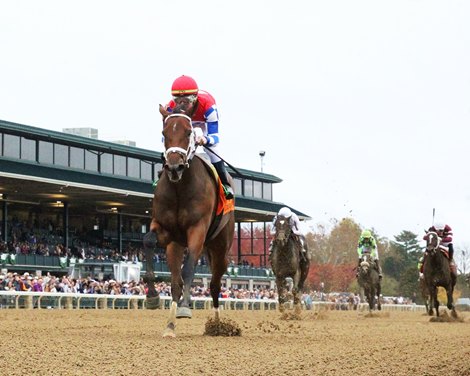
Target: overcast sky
point(362, 107)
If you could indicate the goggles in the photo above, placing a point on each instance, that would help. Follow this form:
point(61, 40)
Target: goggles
point(185, 99)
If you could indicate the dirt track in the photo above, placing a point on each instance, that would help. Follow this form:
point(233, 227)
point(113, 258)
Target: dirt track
point(122, 342)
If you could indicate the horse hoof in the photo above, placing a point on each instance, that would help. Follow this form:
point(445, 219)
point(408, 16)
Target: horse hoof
point(183, 313)
point(169, 333)
point(153, 303)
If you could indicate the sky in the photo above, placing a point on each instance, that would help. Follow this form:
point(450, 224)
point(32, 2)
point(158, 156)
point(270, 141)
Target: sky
point(362, 107)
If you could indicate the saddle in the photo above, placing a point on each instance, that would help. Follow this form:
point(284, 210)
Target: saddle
point(224, 206)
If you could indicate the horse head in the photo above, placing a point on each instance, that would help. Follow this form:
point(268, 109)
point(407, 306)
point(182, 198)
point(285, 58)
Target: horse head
point(283, 230)
point(433, 244)
point(179, 140)
point(366, 261)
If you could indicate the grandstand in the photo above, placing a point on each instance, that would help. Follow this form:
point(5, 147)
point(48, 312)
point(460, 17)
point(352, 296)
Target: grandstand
point(62, 194)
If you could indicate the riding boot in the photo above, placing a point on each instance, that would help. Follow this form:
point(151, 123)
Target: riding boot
point(378, 268)
point(222, 172)
point(358, 266)
point(453, 267)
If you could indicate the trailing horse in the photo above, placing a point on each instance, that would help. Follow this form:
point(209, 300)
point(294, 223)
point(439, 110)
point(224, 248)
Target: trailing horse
point(436, 269)
point(368, 279)
point(190, 215)
point(288, 261)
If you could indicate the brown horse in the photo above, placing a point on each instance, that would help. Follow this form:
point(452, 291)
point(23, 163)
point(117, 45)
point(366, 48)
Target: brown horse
point(437, 273)
point(187, 219)
point(287, 261)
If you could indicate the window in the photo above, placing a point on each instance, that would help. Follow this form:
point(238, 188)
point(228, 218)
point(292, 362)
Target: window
point(157, 167)
point(77, 158)
point(238, 186)
point(46, 152)
point(257, 189)
point(28, 149)
point(248, 185)
point(133, 167)
point(146, 170)
point(120, 167)
point(91, 160)
point(268, 191)
point(11, 146)
point(106, 163)
point(61, 155)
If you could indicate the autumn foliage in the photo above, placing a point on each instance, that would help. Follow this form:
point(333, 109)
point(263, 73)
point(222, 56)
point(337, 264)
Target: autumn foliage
point(334, 277)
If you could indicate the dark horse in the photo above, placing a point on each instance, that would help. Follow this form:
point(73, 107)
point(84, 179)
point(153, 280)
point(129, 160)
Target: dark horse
point(437, 272)
point(368, 279)
point(287, 261)
point(187, 219)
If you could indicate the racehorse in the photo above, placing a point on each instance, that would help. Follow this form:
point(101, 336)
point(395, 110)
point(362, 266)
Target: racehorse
point(287, 261)
point(437, 272)
point(368, 279)
point(189, 216)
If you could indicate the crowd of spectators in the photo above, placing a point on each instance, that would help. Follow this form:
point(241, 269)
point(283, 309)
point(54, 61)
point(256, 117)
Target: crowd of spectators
point(50, 283)
point(12, 281)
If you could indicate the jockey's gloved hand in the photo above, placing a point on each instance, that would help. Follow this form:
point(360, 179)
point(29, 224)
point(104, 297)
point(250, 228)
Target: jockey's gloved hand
point(199, 136)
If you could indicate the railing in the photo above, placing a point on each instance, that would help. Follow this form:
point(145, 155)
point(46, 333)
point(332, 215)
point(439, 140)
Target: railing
point(49, 300)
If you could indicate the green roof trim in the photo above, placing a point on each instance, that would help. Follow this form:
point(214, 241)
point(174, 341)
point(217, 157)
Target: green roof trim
point(109, 147)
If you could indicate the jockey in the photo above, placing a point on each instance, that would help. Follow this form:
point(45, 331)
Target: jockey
point(444, 232)
point(367, 241)
point(294, 224)
point(202, 109)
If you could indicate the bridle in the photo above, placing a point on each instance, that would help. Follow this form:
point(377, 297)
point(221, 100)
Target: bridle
point(432, 245)
point(283, 230)
point(188, 153)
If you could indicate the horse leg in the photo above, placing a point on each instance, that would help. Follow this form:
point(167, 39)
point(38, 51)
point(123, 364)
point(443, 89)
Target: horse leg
point(281, 288)
point(174, 255)
point(450, 299)
point(296, 291)
point(219, 265)
point(431, 301)
point(153, 299)
point(434, 301)
point(196, 236)
point(379, 291)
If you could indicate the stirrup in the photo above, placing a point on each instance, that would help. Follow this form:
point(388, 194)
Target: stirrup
point(228, 192)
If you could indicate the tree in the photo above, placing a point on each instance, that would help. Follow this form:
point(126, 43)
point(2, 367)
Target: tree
point(342, 242)
point(403, 253)
point(408, 282)
point(409, 243)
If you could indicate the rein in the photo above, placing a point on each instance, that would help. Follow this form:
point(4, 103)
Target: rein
point(188, 153)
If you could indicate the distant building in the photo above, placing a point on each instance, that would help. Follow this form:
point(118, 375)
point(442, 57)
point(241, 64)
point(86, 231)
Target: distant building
point(84, 132)
point(125, 142)
point(93, 133)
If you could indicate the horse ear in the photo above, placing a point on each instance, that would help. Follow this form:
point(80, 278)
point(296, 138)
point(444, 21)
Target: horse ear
point(162, 110)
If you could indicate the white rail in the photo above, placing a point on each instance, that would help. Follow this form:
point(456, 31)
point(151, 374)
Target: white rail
point(48, 300)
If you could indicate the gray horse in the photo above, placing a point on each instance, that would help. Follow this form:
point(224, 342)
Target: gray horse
point(288, 261)
point(368, 279)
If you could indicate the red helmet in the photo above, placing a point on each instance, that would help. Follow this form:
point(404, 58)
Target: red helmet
point(184, 85)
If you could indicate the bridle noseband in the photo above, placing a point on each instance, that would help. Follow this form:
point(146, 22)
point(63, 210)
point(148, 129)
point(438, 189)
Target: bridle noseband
point(186, 154)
